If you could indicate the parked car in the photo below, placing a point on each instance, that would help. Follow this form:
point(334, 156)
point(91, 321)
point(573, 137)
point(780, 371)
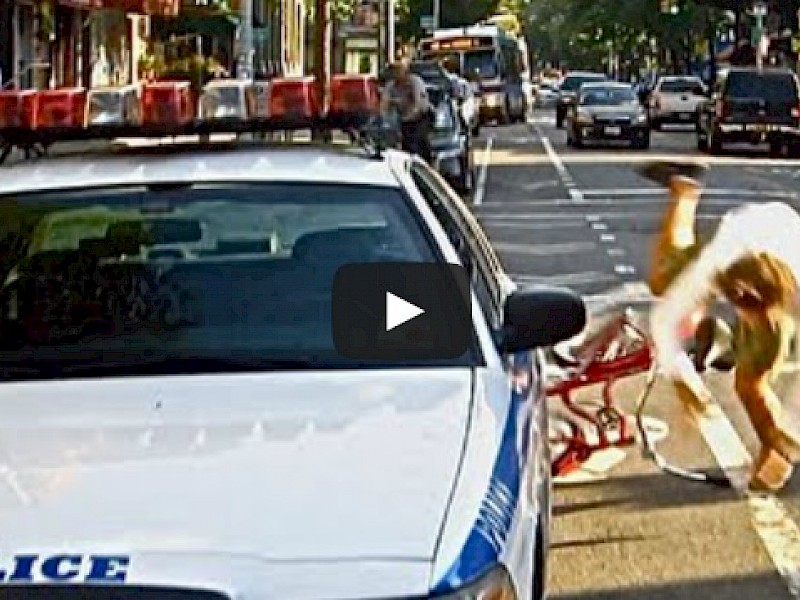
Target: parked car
point(608, 111)
point(676, 99)
point(467, 95)
point(752, 106)
point(546, 95)
point(568, 92)
point(451, 141)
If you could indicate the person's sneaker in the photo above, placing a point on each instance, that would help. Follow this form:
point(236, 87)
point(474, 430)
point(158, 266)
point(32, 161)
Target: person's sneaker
point(662, 171)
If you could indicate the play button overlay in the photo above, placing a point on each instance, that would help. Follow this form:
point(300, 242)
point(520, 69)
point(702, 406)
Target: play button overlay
point(402, 312)
point(398, 311)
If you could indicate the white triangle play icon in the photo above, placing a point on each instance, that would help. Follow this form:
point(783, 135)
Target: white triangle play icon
point(399, 311)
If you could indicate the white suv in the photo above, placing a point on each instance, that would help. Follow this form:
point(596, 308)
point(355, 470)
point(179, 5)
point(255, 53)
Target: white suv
point(676, 99)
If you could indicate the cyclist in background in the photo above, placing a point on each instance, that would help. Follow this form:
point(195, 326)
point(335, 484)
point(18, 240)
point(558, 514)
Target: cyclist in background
point(753, 262)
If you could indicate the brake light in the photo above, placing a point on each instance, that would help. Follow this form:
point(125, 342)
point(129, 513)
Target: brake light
point(294, 98)
point(61, 108)
point(722, 109)
point(167, 103)
point(354, 94)
point(796, 112)
point(18, 109)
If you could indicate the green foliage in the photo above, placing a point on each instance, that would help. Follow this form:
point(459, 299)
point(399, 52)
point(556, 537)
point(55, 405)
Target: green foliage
point(578, 33)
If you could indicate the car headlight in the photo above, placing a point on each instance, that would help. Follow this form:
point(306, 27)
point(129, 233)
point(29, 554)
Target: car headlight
point(495, 585)
point(584, 118)
point(641, 118)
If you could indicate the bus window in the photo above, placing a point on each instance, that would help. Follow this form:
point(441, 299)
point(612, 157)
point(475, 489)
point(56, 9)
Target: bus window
point(482, 64)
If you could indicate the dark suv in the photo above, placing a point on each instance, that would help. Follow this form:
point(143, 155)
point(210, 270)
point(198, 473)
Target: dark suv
point(568, 92)
point(752, 106)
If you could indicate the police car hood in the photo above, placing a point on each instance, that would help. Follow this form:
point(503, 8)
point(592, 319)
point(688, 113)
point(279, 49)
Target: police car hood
point(302, 480)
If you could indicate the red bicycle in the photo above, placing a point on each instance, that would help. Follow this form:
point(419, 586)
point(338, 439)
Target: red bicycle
point(617, 348)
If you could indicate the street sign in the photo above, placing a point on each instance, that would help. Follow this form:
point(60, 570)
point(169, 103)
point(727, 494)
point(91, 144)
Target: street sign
point(427, 22)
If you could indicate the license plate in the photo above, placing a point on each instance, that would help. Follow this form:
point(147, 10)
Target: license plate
point(613, 130)
point(686, 116)
point(760, 127)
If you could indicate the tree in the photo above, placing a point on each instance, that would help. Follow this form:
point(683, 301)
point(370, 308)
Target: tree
point(455, 13)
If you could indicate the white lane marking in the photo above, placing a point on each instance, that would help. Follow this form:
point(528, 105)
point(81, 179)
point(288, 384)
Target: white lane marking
point(545, 249)
point(610, 201)
point(484, 172)
point(585, 277)
point(608, 238)
point(707, 192)
point(533, 226)
point(625, 269)
point(638, 216)
point(558, 164)
point(771, 521)
point(616, 252)
point(538, 185)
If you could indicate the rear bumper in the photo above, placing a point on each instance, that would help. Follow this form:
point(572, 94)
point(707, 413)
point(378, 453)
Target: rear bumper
point(607, 132)
point(758, 132)
point(675, 116)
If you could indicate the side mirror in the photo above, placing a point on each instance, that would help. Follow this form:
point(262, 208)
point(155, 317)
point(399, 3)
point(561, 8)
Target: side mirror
point(541, 317)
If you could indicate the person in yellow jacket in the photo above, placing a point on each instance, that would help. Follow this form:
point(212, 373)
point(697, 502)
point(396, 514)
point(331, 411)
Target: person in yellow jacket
point(752, 260)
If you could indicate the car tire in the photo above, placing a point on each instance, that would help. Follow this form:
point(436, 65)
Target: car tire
point(641, 144)
point(776, 149)
point(702, 141)
point(715, 144)
point(476, 130)
point(559, 119)
point(465, 184)
point(656, 124)
point(577, 142)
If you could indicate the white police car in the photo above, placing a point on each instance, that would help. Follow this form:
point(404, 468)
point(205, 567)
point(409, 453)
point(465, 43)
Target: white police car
point(177, 423)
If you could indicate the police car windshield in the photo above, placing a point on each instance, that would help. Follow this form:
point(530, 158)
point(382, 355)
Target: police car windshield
point(188, 279)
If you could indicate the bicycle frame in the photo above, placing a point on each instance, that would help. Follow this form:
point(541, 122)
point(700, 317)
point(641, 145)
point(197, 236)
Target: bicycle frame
point(619, 349)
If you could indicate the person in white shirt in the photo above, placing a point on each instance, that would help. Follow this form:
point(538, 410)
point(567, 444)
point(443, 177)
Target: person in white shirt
point(753, 262)
point(407, 97)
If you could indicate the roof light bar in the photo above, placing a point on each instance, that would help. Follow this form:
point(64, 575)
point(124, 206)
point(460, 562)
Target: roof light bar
point(171, 108)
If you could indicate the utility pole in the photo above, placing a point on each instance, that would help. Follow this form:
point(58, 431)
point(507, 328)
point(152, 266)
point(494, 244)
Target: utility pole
point(390, 38)
point(245, 66)
point(437, 14)
point(322, 50)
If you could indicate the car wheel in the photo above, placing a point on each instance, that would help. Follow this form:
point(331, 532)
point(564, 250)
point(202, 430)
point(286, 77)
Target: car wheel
point(656, 124)
point(577, 142)
point(776, 149)
point(642, 143)
point(559, 119)
point(476, 130)
point(702, 141)
point(715, 143)
point(465, 183)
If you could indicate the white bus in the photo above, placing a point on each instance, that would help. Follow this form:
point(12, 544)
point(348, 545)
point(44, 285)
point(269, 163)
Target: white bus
point(489, 56)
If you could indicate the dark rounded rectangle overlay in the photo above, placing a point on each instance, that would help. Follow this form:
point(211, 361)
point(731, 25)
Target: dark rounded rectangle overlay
point(445, 330)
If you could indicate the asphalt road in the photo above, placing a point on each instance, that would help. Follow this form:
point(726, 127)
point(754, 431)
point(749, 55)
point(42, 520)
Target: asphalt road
point(584, 219)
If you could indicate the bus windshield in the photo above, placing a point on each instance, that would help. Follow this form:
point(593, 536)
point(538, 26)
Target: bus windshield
point(481, 64)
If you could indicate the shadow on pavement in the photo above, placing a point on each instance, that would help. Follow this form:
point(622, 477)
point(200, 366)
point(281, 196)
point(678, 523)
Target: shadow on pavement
point(753, 587)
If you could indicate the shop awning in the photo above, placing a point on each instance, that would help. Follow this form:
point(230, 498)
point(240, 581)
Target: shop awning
point(202, 23)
